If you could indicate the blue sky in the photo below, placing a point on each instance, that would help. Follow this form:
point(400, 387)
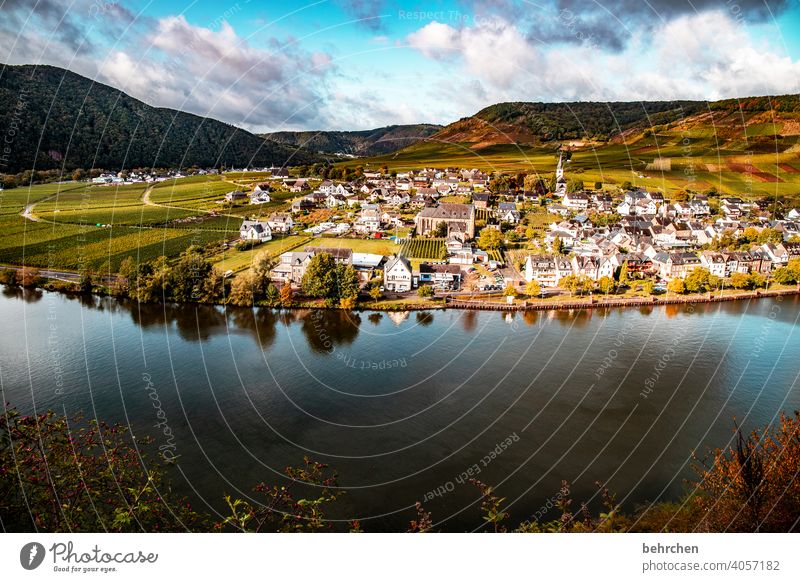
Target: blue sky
point(358, 64)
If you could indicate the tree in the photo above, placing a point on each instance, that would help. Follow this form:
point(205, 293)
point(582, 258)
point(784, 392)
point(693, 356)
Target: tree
point(216, 286)
point(579, 284)
point(347, 283)
point(272, 296)
point(425, 291)
point(740, 281)
point(242, 290)
point(319, 279)
point(287, 295)
point(626, 185)
point(757, 280)
point(558, 246)
point(788, 274)
point(752, 485)
point(623, 275)
point(509, 291)
point(441, 230)
point(676, 286)
point(490, 239)
point(188, 276)
point(770, 235)
point(598, 185)
point(85, 283)
point(533, 289)
point(680, 195)
point(605, 285)
point(647, 287)
point(574, 186)
point(128, 269)
point(375, 293)
point(262, 267)
point(698, 280)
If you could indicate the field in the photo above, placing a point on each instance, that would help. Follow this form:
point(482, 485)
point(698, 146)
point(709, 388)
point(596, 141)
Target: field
point(233, 260)
point(358, 245)
point(747, 157)
point(423, 248)
point(81, 225)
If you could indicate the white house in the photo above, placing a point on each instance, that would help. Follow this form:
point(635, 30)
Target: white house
point(255, 230)
point(280, 223)
point(397, 274)
point(547, 270)
point(260, 194)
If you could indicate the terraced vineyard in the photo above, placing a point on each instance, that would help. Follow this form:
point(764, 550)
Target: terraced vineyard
point(67, 234)
point(424, 248)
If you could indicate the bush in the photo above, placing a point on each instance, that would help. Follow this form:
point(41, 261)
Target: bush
point(425, 291)
point(30, 277)
point(246, 245)
point(8, 277)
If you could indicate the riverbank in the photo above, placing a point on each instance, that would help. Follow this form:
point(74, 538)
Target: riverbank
point(60, 282)
point(604, 302)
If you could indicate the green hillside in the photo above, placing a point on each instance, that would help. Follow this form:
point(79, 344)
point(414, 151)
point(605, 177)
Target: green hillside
point(57, 118)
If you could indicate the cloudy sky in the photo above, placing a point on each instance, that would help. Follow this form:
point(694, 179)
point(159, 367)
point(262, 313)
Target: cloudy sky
point(358, 64)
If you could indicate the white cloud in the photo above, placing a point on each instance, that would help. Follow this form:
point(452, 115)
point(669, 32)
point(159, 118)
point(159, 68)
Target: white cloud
point(700, 56)
point(219, 74)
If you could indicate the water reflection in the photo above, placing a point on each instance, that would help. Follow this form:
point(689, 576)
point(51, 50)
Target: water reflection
point(27, 295)
point(424, 318)
point(326, 329)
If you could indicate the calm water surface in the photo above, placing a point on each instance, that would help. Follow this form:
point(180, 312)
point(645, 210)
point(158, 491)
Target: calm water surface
point(402, 404)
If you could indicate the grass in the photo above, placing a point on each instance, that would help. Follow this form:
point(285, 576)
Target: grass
point(358, 245)
point(233, 260)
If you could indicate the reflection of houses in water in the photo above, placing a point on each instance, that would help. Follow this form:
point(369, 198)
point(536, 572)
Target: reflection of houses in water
point(398, 317)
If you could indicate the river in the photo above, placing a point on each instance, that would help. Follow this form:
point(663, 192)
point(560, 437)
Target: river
point(405, 404)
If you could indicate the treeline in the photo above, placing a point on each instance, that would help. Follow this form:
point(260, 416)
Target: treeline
point(54, 118)
point(783, 103)
point(191, 278)
point(60, 474)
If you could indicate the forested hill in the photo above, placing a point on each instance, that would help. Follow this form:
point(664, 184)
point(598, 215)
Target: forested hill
point(372, 142)
point(531, 123)
point(55, 118)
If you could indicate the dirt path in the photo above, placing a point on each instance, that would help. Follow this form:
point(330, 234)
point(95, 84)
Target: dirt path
point(28, 214)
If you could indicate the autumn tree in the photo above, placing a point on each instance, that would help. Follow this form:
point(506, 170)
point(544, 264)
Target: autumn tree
point(286, 295)
point(676, 286)
point(606, 285)
point(533, 289)
point(490, 239)
point(698, 280)
point(242, 290)
point(623, 278)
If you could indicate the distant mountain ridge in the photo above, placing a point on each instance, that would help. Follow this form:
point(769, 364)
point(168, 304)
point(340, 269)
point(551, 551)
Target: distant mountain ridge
point(371, 142)
point(61, 119)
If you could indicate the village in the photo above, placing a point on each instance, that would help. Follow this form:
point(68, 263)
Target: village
point(454, 231)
